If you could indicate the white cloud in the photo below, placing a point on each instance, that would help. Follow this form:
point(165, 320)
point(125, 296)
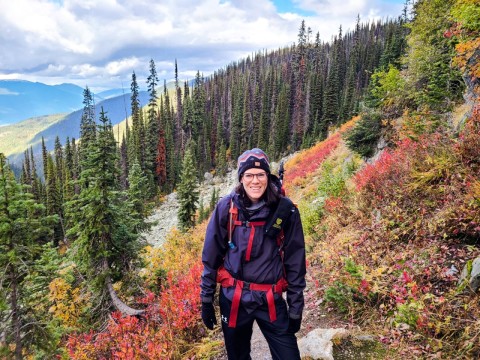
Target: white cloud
point(4, 91)
point(102, 42)
point(118, 66)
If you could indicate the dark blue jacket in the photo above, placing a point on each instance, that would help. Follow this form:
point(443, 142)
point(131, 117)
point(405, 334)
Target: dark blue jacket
point(265, 265)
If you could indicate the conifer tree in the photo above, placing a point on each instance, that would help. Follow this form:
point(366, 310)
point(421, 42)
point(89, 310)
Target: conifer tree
point(123, 162)
point(236, 124)
point(264, 123)
point(44, 158)
point(435, 85)
point(23, 228)
point(87, 126)
point(105, 242)
point(34, 179)
point(199, 122)
point(25, 177)
point(352, 76)
point(76, 166)
point(282, 119)
point(213, 200)
point(68, 158)
point(59, 161)
point(187, 193)
point(152, 127)
point(138, 195)
point(134, 145)
point(161, 160)
point(53, 198)
point(179, 140)
point(202, 212)
point(299, 87)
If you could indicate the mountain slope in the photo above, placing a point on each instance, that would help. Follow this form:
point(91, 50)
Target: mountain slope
point(20, 100)
point(63, 126)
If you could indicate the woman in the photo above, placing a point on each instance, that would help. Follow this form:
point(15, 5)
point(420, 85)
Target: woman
point(254, 247)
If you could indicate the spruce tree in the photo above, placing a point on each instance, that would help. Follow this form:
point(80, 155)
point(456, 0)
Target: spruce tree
point(123, 163)
point(24, 227)
point(34, 180)
point(352, 76)
point(105, 241)
point(187, 193)
point(44, 158)
point(134, 146)
point(152, 132)
point(54, 203)
point(87, 126)
point(138, 195)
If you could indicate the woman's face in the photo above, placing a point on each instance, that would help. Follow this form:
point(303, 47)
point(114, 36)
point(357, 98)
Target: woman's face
point(255, 183)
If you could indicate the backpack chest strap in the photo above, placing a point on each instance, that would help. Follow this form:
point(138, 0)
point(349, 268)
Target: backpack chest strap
point(251, 224)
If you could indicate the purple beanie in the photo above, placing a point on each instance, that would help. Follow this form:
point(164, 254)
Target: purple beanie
point(254, 158)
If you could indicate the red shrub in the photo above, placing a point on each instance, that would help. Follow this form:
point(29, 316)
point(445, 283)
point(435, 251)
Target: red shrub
point(167, 319)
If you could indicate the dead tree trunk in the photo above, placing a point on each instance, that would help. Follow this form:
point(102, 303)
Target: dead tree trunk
point(117, 302)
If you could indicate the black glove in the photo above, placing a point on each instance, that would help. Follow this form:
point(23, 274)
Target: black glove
point(294, 325)
point(208, 315)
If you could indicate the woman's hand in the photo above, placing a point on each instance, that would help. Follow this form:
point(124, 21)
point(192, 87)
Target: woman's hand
point(208, 315)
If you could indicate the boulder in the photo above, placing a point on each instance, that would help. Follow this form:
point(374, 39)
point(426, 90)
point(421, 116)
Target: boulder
point(470, 276)
point(475, 275)
point(208, 178)
point(317, 344)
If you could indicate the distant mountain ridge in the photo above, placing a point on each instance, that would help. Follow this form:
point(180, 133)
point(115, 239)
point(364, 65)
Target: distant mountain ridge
point(21, 99)
point(116, 108)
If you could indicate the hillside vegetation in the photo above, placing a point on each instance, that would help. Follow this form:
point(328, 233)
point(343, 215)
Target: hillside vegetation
point(385, 169)
point(15, 139)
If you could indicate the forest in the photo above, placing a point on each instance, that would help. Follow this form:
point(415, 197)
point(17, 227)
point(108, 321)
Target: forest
point(388, 228)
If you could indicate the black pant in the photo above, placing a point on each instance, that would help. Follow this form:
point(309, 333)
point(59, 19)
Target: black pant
point(282, 344)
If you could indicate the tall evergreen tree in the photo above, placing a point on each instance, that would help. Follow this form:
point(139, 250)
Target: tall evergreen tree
point(187, 193)
point(54, 199)
point(105, 242)
point(76, 166)
point(135, 139)
point(34, 179)
point(180, 136)
point(152, 127)
point(352, 76)
point(23, 228)
point(123, 163)
point(87, 126)
point(44, 158)
point(138, 195)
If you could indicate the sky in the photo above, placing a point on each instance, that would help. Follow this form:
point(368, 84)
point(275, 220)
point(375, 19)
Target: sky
point(100, 43)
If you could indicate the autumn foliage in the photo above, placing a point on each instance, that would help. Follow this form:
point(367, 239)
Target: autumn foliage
point(392, 250)
point(169, 323)
point(299, 167)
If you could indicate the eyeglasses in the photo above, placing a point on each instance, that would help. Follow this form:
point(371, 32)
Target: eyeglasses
point(260, 177)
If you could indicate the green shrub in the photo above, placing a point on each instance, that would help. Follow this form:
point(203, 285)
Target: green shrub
point(340, 295)
point(363, 138)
